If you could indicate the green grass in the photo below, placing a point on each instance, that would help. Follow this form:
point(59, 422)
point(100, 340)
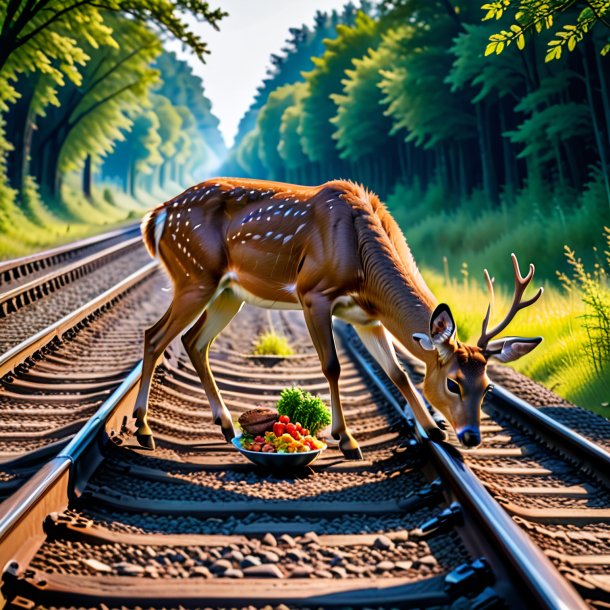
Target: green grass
point(272, 344)
point(34, 224)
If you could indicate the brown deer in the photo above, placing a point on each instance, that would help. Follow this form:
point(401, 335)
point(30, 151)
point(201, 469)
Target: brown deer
point(330, 250)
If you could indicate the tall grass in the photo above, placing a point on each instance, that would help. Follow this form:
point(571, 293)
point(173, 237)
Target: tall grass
point(34, 224)
point(535, 223)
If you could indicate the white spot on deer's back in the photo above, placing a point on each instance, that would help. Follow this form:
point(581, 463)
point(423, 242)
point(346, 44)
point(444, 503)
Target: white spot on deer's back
point(299, 228)
point(287, 239)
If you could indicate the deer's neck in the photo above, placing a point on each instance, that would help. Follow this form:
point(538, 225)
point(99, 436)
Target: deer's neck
point(400, 296)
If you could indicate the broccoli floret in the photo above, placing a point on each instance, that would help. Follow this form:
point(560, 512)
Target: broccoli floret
point(301, 406)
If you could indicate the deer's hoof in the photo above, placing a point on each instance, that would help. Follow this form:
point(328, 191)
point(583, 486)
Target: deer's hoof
point(228, 433)
point(436, 434)
point(146, 441)
point(352, 453)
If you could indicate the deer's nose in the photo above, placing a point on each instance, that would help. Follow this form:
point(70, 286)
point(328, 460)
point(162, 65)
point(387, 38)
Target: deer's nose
point(469, 437)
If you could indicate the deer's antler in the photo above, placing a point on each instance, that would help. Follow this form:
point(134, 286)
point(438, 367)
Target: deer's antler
point(521, 283)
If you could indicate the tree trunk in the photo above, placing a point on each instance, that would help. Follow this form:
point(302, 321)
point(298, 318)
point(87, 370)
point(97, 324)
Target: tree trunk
point(18, 130)
point(603, 91)
point(485, 158)
point(596, 131)
point(87, 177)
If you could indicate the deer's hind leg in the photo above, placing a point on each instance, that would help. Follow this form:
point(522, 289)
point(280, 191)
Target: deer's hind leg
point(198, 340)
point(182, 311)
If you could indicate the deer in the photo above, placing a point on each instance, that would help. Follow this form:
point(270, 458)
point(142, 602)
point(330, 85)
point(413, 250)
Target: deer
point(332, 250)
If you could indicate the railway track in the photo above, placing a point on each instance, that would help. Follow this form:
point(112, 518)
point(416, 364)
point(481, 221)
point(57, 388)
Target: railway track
point(38, 290)
point(91, 520)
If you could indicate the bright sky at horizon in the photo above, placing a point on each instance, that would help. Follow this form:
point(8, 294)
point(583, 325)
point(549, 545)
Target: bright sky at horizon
point(240, 51)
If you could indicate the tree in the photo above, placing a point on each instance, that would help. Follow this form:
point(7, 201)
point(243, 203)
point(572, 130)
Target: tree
point(325, 80)
point(170, 123)
point(90, 117)
point(269, 124)
point(183, 88)
point(136, 152)
point(569, 21)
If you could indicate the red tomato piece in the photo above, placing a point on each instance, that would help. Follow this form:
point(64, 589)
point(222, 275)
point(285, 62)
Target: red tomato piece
point(305, 432)
point(256, 447)
point(259, 439)
point(290, 428)
point(279, 428)
point(285, 419)
point(295, 435)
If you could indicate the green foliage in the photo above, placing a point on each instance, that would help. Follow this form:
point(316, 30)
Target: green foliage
point(361, 131)
point(325, 80)
point(269, 123)
point(594, 290)
point(289, 147)
point(272, 344)
point(304, 408)
point(577, 20)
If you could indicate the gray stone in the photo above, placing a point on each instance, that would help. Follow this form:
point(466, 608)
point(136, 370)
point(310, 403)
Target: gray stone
point(249, 561)
point(269, 556)
point(404, 565)
point(269, 539)
point(295, 554)
point(302, 572)
point(310, 537)
point(201, 571)
point(288, 540)
point(324, 574)
point(233, 573)
point(97, 566)
point(339, 571)
point(221, 565)
point(266, 570)
point(129, 568)
point(428, 560)
point(383, 542)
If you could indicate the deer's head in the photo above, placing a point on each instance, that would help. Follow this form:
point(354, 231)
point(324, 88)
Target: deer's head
point(456, 380)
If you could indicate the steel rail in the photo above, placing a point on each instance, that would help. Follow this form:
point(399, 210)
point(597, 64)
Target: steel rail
point(17, 268)
point(524, 559)
point(36, 289)
point(22, 515)
point(17, 355)
point(50, 490)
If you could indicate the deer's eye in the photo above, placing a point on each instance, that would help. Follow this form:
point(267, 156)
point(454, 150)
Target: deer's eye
point(489, 390)
point(453, 386)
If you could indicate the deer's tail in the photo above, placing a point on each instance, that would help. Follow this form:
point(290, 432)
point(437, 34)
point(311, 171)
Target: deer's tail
point(152, 227)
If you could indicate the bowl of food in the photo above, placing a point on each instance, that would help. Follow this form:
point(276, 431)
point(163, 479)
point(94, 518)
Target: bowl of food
point(274, 439)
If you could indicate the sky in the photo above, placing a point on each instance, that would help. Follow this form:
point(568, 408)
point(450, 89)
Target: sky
point(239, 52)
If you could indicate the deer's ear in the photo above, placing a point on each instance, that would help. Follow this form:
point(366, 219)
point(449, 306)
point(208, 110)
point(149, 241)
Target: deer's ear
point(442, 326)
point(424, 341)
point(511, 348)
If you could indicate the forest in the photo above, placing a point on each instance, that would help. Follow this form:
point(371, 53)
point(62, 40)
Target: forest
point(88, 95)
point(484, 127)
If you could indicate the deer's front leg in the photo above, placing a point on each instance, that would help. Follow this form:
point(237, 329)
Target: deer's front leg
point(318, 316)
point(378, 343)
